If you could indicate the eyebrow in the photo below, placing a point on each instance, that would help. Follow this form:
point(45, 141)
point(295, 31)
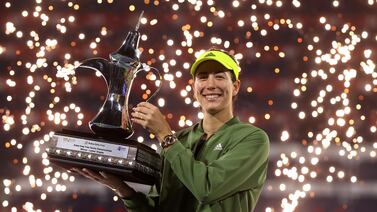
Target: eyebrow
point(207, 73)
point(210, 72)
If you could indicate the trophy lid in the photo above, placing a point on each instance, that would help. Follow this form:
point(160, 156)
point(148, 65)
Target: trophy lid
point(128, 53)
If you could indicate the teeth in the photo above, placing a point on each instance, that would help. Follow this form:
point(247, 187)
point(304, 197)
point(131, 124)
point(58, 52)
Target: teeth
point(213, 96)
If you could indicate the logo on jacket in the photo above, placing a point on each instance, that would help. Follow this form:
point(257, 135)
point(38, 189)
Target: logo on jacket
point(218, 147)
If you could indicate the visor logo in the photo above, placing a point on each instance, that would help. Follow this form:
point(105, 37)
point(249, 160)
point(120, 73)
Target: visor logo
point(210, 55)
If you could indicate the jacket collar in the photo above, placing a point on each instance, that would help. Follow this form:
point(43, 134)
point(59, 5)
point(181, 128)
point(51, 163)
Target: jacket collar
point(230, 122)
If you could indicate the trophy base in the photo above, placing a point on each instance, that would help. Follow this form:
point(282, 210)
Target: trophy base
point(132, 161)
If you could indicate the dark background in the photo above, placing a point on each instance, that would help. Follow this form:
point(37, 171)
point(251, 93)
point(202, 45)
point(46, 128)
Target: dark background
point(264, 91)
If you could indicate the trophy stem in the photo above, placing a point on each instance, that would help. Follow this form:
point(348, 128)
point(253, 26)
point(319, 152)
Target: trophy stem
point(138, 23)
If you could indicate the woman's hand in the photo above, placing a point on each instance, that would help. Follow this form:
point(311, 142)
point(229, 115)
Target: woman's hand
point(150, 117)
point(113, 182)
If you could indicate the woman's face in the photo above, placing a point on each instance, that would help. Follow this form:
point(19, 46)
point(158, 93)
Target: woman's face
point(214, 88)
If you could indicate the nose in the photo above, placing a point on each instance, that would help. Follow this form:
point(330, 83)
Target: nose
point(211, 81)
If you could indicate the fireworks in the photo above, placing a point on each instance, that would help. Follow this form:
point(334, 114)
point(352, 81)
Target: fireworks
point(308, 79)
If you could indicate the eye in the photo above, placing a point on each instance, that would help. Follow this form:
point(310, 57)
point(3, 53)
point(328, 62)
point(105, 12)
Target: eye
point(201, 76)
point(220, 76)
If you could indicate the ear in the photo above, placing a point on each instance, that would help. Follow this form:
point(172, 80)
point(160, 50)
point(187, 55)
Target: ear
point(236, 87)
point(193, 89)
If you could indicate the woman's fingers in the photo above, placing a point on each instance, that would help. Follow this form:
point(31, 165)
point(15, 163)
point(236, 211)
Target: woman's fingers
point(112, 181)
point(79, 171)
point(93, 174)
point(108, 176)
point(89, 174)
point(145, 105)
point(150, 117)
point(141, 112)
point(138, 115)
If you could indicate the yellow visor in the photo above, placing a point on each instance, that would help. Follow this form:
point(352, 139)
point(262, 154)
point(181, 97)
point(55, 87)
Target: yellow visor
point(218, 56)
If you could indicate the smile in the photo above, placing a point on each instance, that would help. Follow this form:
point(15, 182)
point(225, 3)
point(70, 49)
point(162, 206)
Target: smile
point(211, 96)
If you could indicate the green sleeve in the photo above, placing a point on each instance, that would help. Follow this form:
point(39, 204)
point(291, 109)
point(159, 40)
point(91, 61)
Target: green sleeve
point(142, 202)
point(245, 162)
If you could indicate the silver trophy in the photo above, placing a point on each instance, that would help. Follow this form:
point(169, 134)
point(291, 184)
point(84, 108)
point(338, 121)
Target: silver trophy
point(109, 148)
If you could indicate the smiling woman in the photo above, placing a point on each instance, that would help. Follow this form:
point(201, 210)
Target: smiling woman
point(218, 164)
point(214, 89)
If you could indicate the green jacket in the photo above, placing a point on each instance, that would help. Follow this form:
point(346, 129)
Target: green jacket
point(228, 174)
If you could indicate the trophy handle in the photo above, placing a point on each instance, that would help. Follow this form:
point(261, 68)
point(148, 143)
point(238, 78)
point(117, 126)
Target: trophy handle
point(146, 67)
point(97, 64)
